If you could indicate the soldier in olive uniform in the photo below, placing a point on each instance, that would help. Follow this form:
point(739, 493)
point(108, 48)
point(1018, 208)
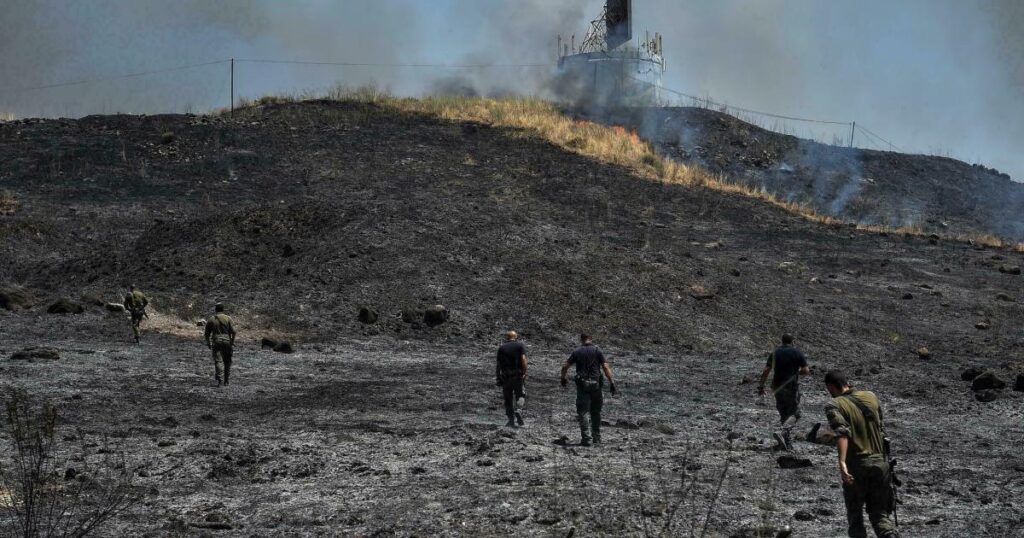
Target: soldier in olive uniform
point(589, 363)
point(856, 419)
point(135, 303)
point(510, 370)
point(220, 338)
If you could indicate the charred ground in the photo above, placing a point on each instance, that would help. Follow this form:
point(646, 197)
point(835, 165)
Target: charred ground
point(297, 215)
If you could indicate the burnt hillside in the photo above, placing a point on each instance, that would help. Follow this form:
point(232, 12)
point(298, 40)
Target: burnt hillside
point(936, 194)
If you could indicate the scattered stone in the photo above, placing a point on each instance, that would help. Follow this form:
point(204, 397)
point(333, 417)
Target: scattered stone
point(803, 515)
point(284, 347)
point(268, 343)
point(700, 292)
point(907, 296)
point(368, 315)
point(13, 298)
point(987, 380)
point(746, 380)
point(288, 251)
point(735, 272)
point(1004, 297)
point(167, 138)
point(923, 353)
point(982, 325)
point(986, 396)
point(665, 429)
point(418, 470)
point(970, 373)
point(70, 473)
point(534, 458)
point(65, 306)
point(118, 307)
point(627, 424)
point(1019, 385)
point(486, 462)
point(435, 315)
point(789, 461)
point(1009, 269)
point(410, 315)
point(732, 436)
point(33, 353)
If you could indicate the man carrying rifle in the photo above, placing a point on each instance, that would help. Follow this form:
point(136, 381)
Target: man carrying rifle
point(135, 303)
point(856, 419)
point(510, 371)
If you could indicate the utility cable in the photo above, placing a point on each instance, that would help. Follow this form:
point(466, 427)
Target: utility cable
point(115, 77)
point(868, 131)
point(371, 64)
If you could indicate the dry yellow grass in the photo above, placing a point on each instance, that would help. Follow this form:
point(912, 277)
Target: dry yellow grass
point(613, 145)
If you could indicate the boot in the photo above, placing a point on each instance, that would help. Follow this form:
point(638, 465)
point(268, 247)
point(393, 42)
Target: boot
point(780, 441)
point(519, 418)
point(511, 423)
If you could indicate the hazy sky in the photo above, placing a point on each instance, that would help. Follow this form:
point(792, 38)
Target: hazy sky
point(933, 76)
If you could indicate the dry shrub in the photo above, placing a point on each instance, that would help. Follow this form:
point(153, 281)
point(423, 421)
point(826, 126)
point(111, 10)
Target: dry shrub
point(8, 203)
point(41, 494)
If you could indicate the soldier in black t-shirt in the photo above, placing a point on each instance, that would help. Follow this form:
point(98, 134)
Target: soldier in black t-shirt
point(510, 371)
point(590, 364)
point(788, 363)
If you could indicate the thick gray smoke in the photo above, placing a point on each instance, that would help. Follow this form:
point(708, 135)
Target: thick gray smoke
point(933, 76)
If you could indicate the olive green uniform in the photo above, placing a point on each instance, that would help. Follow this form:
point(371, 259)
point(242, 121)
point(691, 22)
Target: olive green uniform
point(135, 303)
point(220, 337)
point(866, 461)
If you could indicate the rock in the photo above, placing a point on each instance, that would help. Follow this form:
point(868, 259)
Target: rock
point(803, 515)
point(115, 307)
point(1019, 385)
point(268, 343)
point(70, 473)
point(970, 373)
point(923, 353)
point(1004, 297)
point(665, 429)
point(987, 380)
point(33, 353)
point(907, 296)
point(627, 424)
point(14, 298)
point(283, 347)
point(368, 315)
point(486, 462)
point(986, 396)
point(65, 306)
point(732, 436)
point(735, 272)
point(746, 380)
point(699, 292)
point(93, 300)
point(435, 315)
point(410, 315)
point(167, 138)
point(1009, 269)
point(789, 461)
point(288, 251)
point(982, 325)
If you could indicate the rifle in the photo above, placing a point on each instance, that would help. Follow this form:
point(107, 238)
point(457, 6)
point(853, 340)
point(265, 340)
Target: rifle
point(894, 481)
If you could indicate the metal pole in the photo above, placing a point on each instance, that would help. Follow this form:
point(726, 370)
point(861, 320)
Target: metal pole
point(232, 86)
point(853, 130)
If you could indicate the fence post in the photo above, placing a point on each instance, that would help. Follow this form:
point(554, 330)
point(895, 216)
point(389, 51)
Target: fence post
point(853, 130)
point(232, 86)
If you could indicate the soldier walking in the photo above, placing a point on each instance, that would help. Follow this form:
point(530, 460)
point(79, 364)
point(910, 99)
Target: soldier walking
point(135, 303)
point(510, 370)
point(589, 363)
point(788, 363)
point(220, 338)
point(856, 419)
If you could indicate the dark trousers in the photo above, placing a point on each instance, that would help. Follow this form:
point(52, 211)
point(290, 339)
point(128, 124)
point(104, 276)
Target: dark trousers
point(136, 322)
point(589, 402)
point(787, 402)
point(513, 387)
point(871, 490)
point(222, 353)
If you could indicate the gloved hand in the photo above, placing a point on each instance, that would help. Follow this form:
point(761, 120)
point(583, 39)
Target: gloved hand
point(565, 382)
point(612, 389)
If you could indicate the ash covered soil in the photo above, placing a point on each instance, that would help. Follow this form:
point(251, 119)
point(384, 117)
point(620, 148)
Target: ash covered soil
point(932, 193)
point(298, 215)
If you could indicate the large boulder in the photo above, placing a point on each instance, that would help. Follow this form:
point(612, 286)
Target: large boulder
point(65, 306)
point(15, 298)
point(435, 315)
point(987, 380)
point(34, 353)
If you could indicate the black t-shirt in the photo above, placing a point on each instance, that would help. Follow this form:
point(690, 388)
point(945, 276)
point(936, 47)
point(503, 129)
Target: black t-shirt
point(786, 362)
point(509, 355)
point(588, 360)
